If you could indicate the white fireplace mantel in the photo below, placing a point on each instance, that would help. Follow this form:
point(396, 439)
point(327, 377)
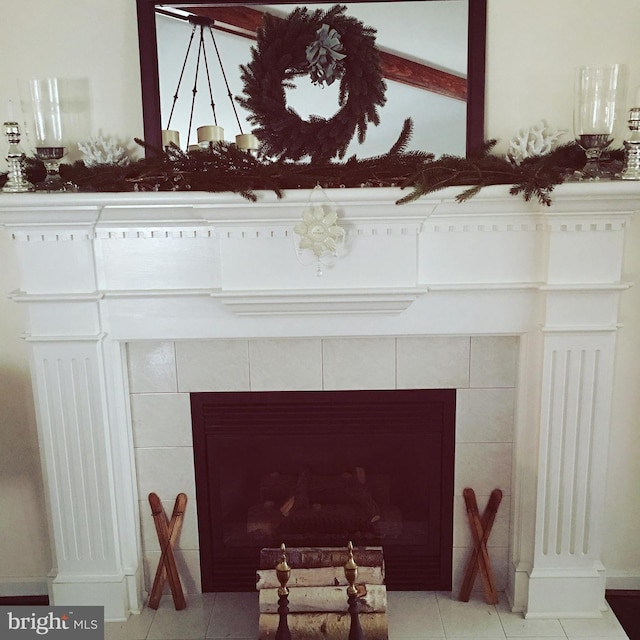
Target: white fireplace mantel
point(101, 270)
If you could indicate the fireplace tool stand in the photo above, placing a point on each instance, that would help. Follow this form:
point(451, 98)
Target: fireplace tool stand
point(283, 573)
point(351, 574)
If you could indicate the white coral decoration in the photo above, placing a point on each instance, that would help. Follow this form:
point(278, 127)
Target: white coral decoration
point(533, 141)
point(319, 230)
point(103, 150)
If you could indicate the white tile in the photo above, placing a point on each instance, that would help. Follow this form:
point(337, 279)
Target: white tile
point(413, 614)
point(433, 363)
point(605, 627)
point(136, 627)
point(234, 615)
point(359, 363)
point(152, 367)
point(516, 626)
point(166, 471)
point(499, 536)
point(213, 365)
point(473, 619)
point(494, 361)
point(192, 622)
point(485, 415)
point(286, 365)
point(483, 467)
point(161, 420)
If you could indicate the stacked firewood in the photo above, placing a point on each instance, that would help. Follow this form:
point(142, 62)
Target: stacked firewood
point(318, 605)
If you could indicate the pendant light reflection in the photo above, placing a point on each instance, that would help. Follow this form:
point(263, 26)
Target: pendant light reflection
point(212, 133)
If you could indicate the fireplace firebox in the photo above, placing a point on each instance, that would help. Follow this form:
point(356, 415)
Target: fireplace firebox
point(320, 468)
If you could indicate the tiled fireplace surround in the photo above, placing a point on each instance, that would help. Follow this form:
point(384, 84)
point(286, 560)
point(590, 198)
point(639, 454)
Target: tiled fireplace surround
point(483, 369)
point(133, 300)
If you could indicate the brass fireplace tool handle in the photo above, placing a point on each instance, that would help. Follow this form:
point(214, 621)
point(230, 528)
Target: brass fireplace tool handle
point(283, 572)
point(351, 574)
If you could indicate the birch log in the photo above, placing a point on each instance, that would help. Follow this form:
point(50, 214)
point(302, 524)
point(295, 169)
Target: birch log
point(319, 577)
point(372, 598)
point(320, 626)
point(313, 557)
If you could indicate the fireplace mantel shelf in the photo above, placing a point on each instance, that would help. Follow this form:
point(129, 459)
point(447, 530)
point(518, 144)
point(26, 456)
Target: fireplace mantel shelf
point(243, 254)
point(182, 206)
point(101, 270)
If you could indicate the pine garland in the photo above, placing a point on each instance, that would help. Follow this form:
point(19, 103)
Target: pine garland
point(279, 57)
point(224, 168)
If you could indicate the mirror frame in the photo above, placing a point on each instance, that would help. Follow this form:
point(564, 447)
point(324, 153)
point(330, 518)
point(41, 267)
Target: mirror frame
point(150, 83)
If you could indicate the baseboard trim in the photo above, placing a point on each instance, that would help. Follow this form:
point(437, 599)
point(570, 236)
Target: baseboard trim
point(20, 587)
point(622, 593)
point(622, 582)
point(27, 601)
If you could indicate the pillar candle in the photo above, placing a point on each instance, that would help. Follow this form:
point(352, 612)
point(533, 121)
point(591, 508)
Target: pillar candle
point(247, 141)
point(170, 135)
point(209, 133)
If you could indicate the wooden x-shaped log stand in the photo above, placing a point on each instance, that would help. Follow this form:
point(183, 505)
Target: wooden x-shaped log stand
point(480, 530)
point(168, 531)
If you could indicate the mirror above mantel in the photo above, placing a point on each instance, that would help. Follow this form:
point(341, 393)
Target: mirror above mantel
point(422, 83)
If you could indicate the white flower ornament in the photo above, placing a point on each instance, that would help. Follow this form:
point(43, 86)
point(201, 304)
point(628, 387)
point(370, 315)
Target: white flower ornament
point(319, 230)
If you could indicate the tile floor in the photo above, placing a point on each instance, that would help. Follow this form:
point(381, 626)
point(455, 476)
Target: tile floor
point(412, 616)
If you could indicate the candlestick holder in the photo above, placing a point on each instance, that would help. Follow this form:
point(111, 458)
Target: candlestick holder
point(631, 169)
point(16, 178)
point(351, 575)
point(283, 572)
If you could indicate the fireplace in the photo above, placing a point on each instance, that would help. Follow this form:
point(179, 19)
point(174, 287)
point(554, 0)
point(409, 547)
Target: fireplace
point(104, 275)
point(321, 468)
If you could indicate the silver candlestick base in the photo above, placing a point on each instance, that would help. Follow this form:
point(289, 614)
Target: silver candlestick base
point(16, 179)
point(631, 169)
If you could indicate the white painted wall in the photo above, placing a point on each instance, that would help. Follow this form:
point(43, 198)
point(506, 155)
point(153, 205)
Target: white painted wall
point(533, 48)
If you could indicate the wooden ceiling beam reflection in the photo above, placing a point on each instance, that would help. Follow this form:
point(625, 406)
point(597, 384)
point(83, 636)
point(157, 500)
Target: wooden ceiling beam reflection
point(245, 21)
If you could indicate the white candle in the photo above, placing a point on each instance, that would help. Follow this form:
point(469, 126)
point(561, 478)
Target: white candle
point(637, 102)
point(209, 133)
point(10, 114)
point(170, 135)
point(247, 141)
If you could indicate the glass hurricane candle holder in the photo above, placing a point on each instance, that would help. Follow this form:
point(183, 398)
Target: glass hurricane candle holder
point(43, 109)
point(596, 94)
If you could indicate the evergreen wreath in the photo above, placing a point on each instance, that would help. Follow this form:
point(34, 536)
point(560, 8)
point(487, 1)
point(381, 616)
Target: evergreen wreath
point(280, 56)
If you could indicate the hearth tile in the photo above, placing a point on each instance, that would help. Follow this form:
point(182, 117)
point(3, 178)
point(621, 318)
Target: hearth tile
point(359, 363)
point(166, 471)
point(494, 361)
point(234, 615)
point(286, 365)
point(161, 420)
point(136, 627)
point(433, 363)
point(594, 628)
point(213, 365)
point(186, 624)
point(483, 467)
point(473, 619)
point(485, 415)
point(413, 615)
point(516, 626)
point(500, 531)
point(152, 367)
